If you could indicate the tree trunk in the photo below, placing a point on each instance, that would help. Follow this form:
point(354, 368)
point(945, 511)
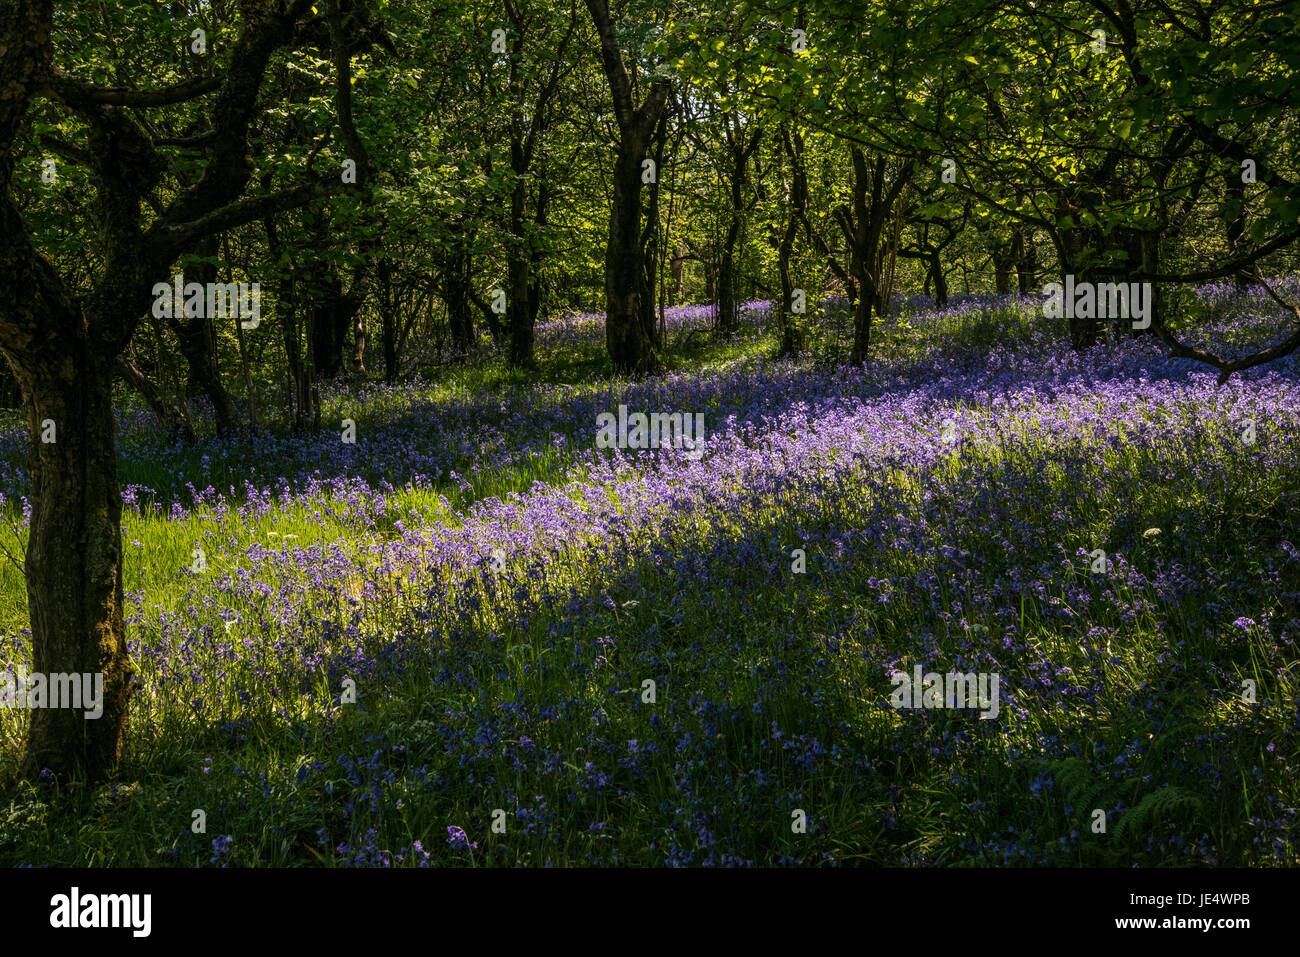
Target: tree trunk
point(1003, 260)
point(74, 562)
point(306, 412)
point(359, 339)
point(864, 243)
point(727, 313)
point(940, 283)
point(650, 240)
point(390, 349)
point(1075, 243)
point(629, 289)
point(540, 216)
point(861, 329)
point(171, 415)
point(520, 309)
point(790, 344)
point(520, 314)
point(332, 314)
point(863, 223)
point(886, 263)
point(458, 296)
point(388, 320)
point(198, 341)
point(1149, 257)
point(1023, 252)
point(727, 320)
point(306, 415)
point(791, 333)
point(675, 269)
point(864, 255)
point(1234, 215)
point(626, 290)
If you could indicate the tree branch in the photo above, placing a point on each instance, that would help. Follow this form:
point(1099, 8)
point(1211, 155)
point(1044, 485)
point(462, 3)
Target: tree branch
point(167, 240)
point(1226, 367)
point(77, 92)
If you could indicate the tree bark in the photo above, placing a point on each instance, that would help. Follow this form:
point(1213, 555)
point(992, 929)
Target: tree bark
point(1074, 244)
point(74, 562)
point(791, 340)
point(1148, 245)
point(629, 295)
point(1022, 250)
point(940, 282)
point(459, 297)
point(521, 310)
point(359, 344)
point(388, 321)
point(740, 147)
point(332, 315)
point(675, 269)
point(790, 344)
point(1003, 260)
point(651, 236)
